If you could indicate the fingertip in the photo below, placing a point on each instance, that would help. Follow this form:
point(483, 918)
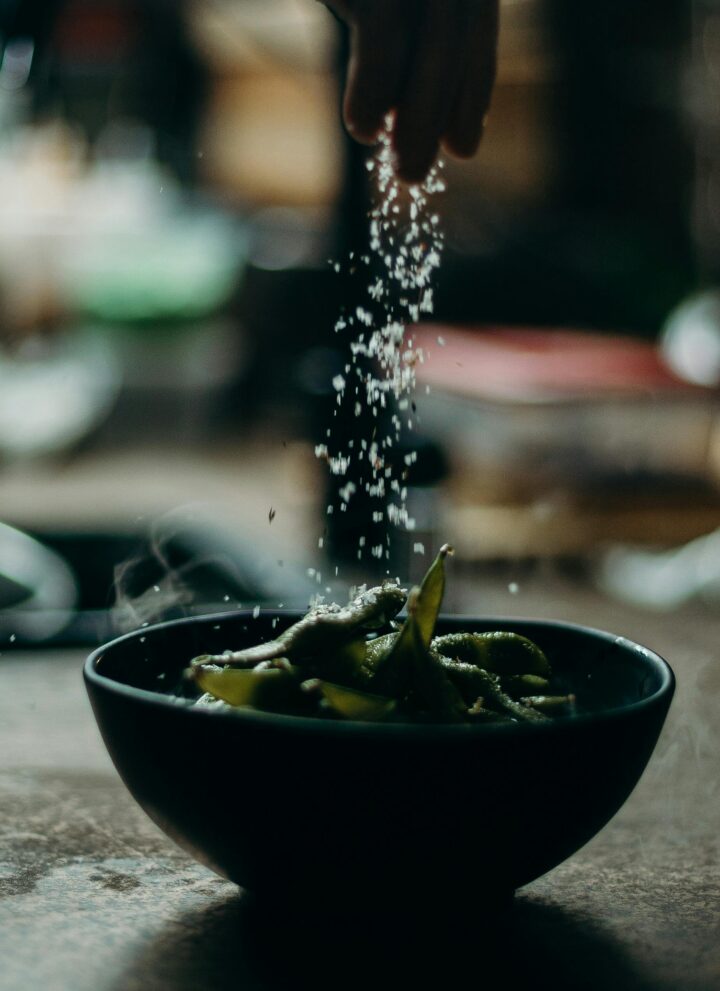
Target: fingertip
point(464, 146)
point(411, 172)
point(413, 159)
point(362, 134)
point(361, 125)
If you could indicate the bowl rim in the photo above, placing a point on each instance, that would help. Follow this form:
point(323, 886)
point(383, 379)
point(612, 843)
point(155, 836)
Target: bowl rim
point(308, 724)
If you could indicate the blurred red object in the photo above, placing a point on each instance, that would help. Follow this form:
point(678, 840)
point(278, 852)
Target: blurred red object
point(541, 365)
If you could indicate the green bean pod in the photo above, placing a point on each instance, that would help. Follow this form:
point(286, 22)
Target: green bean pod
point(502, 653)
point(324, 629)
point(475, 682)
point(518, 685)
point(429, 601)
point(376, 651)
point(551, 704)
point(352, 704)
point(392, 676)
point(393, 671)
point(268, 688)
point(434, 693)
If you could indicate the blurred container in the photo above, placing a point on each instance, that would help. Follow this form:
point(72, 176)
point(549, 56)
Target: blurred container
point(560, 406)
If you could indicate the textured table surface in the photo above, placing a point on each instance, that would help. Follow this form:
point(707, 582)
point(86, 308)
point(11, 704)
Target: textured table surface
point(94, 898)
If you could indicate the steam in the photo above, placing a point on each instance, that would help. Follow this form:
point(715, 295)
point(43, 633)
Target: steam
point(138, 601)
point(131, 612)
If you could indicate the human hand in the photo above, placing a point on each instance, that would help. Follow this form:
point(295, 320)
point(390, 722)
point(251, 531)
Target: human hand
point(431, 62)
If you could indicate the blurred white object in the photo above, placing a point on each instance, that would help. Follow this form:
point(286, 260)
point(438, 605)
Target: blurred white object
point(112, 240)
point(44, 590)
point(690, 341)
point(16, 63)
point(663, 579)
point(53, 391)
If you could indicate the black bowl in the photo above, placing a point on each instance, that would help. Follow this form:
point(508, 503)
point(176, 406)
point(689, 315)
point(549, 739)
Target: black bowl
point(332, 812)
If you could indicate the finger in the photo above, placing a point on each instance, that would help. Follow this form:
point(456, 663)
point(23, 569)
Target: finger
point(428, 89)
point(466, 120)
point(380, 46)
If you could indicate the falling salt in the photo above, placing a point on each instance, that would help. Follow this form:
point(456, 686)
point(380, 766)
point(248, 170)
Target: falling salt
point(256, 612)
point(513, 588)
point(12, 637)
point(405, 238)
point(418, 548)
point(347, 490)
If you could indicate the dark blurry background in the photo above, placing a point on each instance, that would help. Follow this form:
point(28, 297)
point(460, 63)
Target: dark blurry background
point(174, 182)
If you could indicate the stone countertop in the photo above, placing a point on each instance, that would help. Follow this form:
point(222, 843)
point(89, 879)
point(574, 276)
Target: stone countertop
point(94, 898)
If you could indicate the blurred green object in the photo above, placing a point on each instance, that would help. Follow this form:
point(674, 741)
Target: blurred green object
point(179, 268)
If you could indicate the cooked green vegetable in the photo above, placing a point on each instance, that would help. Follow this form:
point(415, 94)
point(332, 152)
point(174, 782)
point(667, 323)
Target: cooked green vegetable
point(352, 704)
point(325, 628)
point(325, 665)
point(430, 596)
point(503, 653)
point(260, 688)
point(549, 703)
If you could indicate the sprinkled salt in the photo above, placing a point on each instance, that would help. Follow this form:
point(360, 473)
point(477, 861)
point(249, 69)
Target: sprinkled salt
point(347, 490)
point(406, 240)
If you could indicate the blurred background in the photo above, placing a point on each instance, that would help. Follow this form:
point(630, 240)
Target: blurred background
point(175, 184)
